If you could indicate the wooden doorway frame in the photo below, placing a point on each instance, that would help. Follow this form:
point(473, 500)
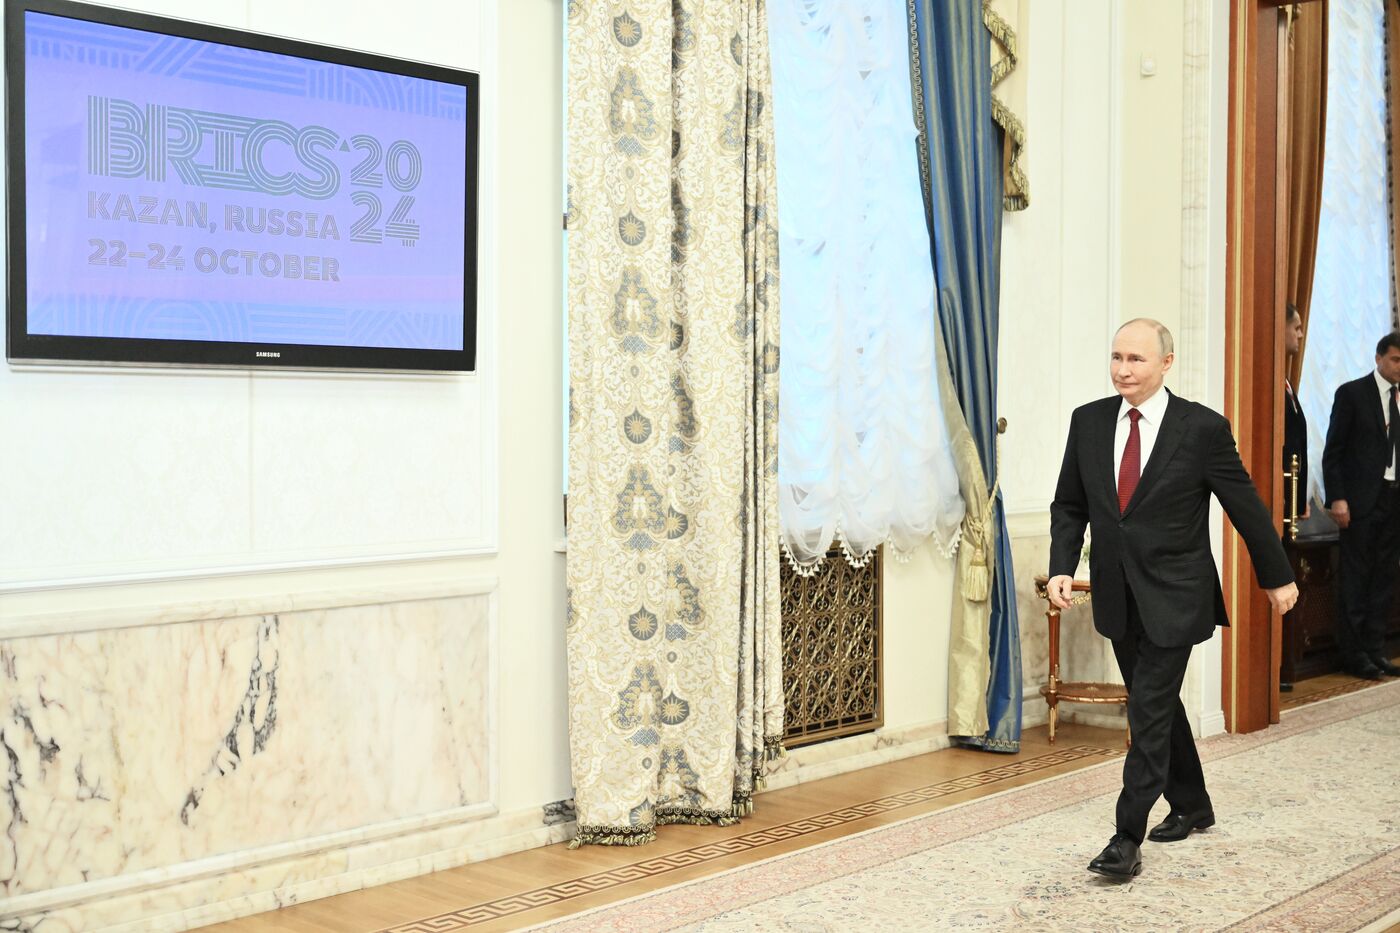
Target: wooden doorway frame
point(1256, 283)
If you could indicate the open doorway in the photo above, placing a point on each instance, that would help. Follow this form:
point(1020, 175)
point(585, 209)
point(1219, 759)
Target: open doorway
point(1332, 252)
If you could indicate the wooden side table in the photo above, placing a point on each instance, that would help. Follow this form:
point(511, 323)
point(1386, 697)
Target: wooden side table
point(1056, 691)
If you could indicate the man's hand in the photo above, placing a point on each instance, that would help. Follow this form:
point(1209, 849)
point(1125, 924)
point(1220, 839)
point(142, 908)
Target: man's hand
point(1284, 597)
point(1340, 512)
point(1060, 589)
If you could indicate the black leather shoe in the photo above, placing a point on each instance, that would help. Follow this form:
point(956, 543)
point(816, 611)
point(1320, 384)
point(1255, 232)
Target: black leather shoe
point(1385, 667)
point(1363, 670)
point(1177, 826)
point(1120, 860)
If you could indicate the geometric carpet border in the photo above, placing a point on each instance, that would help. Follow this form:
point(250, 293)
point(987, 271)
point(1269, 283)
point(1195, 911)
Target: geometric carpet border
point(465, 917)
point(1371, 891)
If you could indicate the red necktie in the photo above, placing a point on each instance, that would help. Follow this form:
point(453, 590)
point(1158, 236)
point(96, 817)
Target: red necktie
point(1130, 469)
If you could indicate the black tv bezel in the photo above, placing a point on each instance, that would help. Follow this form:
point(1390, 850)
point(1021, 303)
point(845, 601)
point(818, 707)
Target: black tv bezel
point(24, 348)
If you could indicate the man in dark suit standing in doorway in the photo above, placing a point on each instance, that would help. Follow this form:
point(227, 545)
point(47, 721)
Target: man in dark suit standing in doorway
point(1139, 469)
point(1295, 423)
point(1359, 471)
point(1295, 432)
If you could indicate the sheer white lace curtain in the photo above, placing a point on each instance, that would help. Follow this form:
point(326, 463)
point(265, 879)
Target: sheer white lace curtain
point(1351, 286)
point(863, 456)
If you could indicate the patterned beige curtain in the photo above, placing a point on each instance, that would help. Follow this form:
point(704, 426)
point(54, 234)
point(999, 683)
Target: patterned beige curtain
point(674, 650)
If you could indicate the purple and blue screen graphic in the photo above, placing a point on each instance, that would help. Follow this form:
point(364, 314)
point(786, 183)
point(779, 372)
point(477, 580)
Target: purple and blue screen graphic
point(187, 190)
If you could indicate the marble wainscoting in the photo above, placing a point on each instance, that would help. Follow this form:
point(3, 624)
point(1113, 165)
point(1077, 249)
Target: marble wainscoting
point(842, 756)
point(1084, 654)
point(161, 775)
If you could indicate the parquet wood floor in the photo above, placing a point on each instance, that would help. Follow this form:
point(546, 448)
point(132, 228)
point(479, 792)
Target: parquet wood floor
point(1324, 688)
point(528, 887)
point(517, 890)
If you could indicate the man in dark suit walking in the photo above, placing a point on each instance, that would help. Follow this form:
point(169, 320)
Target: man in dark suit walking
point(1359, 471)
point(1139, 469)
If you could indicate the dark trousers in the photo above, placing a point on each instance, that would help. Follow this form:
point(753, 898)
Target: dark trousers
point(1370, 547)
point(1163, 759)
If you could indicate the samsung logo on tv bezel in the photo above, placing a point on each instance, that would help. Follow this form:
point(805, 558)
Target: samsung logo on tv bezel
point(268, 354)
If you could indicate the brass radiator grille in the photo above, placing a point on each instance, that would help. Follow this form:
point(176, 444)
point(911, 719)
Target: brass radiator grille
point(832, 651)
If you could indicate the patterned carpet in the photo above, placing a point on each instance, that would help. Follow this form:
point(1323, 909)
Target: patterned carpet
point(1308, 840)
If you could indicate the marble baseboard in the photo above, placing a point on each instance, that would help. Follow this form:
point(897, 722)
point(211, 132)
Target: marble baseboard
point(1087, 716)
point(1028, 523)
point(841, 756)
point(256, 888)
point(1212, 723)
point(1035, 712)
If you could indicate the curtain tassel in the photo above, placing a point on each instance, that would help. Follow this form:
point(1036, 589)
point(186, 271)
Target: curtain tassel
point(609, 836)
point(977, 579)
point(773, 748)
point(697, 817)
point(977, 582)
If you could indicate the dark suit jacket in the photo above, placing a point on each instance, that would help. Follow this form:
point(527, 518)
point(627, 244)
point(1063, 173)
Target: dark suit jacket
point(1160, 546)
point(1357, 450)
point(1295, 441)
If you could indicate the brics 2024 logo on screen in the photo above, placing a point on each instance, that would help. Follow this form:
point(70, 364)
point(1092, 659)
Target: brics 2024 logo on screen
point(206, 149)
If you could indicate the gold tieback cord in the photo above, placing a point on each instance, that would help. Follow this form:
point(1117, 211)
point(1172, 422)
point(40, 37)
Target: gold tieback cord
point(977, 580)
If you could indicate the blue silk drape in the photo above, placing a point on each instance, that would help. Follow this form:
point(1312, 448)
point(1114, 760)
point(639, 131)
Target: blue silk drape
point(961, 163)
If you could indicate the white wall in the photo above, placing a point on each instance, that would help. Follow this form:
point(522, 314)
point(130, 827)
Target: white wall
point(1057, 297)
point(122, 474)
point(157, 429)
point(1126, 220)
point(1059, 303)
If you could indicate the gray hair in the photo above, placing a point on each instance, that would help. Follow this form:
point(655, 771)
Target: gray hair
point(1164, 336)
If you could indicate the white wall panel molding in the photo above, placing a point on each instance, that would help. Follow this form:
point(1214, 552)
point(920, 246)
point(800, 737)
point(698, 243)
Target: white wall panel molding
point(1193, 347)
point(25, 624)
point(1034, 523)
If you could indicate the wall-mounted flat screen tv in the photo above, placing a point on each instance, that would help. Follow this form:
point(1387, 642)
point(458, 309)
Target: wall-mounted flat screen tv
point(185, 194)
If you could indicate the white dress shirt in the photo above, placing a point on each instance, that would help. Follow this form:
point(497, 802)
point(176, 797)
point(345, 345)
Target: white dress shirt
point(1384, 388)
point(1153, 410)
